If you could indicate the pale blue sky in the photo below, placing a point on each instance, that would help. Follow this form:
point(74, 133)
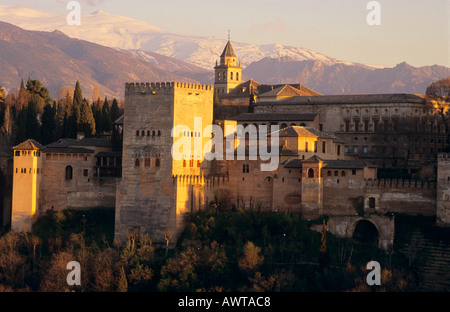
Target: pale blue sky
point(415, 31)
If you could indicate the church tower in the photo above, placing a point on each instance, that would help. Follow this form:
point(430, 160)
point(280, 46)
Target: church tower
point(228, 74)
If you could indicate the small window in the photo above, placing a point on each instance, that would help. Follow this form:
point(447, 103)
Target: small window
point(143, 132)
point(147, 162)
point(137, 133)
point(353, 171)
point(137, 163)
point(69, 173)
point(336, 173)
point(329, 173)
point(310, 173)
point(157, 162)
point(198, 163)
point(324, 147)
point(148, 132)
point(159, 132)
point(306, 147)
point(343, 174)
point(237, 76)
point(184, 163)
point(17, 153)
point(372, 202)
point(85, 172)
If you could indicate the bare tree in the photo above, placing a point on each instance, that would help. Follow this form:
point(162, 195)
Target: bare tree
point(437, 98)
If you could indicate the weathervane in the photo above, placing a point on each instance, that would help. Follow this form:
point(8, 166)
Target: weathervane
point(229, 35)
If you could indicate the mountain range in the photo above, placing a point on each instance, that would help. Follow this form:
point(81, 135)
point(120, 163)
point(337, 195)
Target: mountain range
point(108, 50)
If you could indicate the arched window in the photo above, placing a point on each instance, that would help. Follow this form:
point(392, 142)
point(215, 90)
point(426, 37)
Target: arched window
point(69, 173)
point(143, 132)
point(159, 132)
point(231, 76)
point(153, 133)
point(329, 173)
point(137, 132)
point(136, 162)
point(310, 173)
point(218, 75)
point(148, 132)
point(343, 174)
point(336, 173)
point(157, 162)
point(237, 76)
point(283, 125)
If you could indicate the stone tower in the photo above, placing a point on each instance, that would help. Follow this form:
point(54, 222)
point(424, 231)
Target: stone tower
point(157, 190)
point(26, 185)
point(228, 74)
point(443, 190)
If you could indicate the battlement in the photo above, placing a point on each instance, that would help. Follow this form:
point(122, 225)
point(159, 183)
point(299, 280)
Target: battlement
point(399, 184)
point(443, 157)
point(162, 87)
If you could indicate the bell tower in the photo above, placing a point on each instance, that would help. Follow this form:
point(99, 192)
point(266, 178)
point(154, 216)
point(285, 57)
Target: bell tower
point(228, 74)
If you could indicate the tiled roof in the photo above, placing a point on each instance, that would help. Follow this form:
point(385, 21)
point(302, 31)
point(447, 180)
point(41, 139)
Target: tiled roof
point(228, 51)
point(294, 163)
point(297, 131)
point(86, 142)
point(350, 99)
point(274, 117)
point(68, 150)
point(345, 164)
point(29, 144)
point(289, 91)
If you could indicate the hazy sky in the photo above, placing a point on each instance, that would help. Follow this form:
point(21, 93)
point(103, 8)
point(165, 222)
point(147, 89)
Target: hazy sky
point(415, 31)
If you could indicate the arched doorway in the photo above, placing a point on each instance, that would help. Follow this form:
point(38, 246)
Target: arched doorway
point(366, 232)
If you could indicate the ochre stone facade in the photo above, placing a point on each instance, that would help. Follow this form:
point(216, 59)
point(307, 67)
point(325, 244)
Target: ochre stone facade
point(329, 150)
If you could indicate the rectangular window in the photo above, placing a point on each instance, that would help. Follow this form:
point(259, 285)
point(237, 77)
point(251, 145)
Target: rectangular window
point(355, 150)
point(366, 126)
point(324, 147)
point(365, 149)
point(306, 146)
point(353, 171)
point(372, 202)
point(347, 126)
point(346, 149)
point(85, 172)
point(356, 126)
point(339, 150)
point(315, 147)
point(147, 162)
point(17, 153)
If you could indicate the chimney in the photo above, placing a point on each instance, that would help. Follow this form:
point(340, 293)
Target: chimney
point(80, 136)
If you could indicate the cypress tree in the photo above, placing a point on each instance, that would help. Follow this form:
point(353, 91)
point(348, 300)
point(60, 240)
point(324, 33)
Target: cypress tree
point(115, 111)
point(106, 118)
point(97, 112)
point(86, 123)
point(48, 125)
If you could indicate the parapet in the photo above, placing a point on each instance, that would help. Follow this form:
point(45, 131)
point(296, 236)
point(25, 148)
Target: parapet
point(162, 87)
point(399, 184)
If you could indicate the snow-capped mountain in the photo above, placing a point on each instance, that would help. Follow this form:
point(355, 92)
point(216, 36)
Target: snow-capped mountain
point(129, 34)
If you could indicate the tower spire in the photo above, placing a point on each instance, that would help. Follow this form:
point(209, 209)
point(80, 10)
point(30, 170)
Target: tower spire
point(229, 35)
